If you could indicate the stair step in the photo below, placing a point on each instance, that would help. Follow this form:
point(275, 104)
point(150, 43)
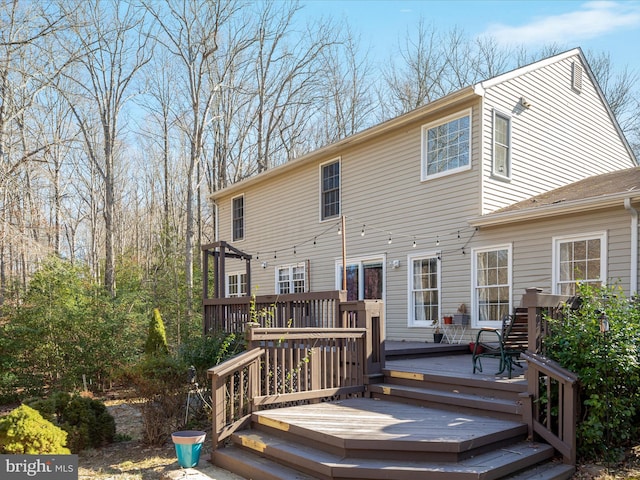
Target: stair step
point(254, 467)
point(545, 471)
point(370, 427)
point(448, 399)
point(488, 466)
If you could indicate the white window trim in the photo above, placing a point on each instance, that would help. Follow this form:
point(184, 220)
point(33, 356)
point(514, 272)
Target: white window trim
point(555, 262)
point(360, 261)
point(290, 266)
point(321, 205)
point(425, 145)
point(412, 322)
point(240, 292)
point(475, 314)
point(494, 172)
point(244, 217)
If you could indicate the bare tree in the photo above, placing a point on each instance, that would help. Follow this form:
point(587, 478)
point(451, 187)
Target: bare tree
point(190, 33)
point(114, 49)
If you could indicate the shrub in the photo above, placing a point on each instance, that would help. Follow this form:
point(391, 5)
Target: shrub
point(25, 431)
point(87, 421)
point(157, 337)
point(607, 365)
point(161, 381)
point(208, 351)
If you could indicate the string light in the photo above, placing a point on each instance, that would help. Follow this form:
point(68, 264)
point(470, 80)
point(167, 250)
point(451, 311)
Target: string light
point(457, 233)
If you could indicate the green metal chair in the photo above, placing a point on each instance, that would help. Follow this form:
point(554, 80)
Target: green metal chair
point(505, 343)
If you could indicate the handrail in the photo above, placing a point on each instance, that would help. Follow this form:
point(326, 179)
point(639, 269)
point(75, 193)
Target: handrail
point(553, 396)
point(234, 383)
point(286, 365)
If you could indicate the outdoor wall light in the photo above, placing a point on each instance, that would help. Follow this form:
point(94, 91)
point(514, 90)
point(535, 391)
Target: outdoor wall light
point(264, 264)
point(525, 103)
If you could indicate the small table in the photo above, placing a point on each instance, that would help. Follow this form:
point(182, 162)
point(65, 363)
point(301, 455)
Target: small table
point(454, 332)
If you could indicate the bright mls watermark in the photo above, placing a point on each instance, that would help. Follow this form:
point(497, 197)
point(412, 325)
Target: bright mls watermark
point(49, 467)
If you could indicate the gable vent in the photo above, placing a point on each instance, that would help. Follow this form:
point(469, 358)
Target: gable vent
point(576, 76)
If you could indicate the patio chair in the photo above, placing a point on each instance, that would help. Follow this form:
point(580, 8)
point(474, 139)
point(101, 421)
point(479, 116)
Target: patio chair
point(505, 343)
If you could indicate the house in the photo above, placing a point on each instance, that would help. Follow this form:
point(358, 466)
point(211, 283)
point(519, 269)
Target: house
point(521, 180)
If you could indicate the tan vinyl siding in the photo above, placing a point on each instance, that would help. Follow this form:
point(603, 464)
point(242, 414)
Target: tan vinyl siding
point(563, 137)
point(533, 243)
point(380, 188)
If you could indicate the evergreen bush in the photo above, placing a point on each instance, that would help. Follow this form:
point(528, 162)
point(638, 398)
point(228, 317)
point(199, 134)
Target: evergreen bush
point(87, 421)
point(157, 338)
point(607, 364)
point(25, 431)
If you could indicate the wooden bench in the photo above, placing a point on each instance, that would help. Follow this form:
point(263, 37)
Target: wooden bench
point(505, 343)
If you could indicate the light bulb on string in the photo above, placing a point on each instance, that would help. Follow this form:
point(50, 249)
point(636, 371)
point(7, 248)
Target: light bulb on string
point(390, 240)
point(294, 249)
point(339, 230)
point(414, 243)
point(458, 233)
point(362, 232)
point(314, 240)
point(437, 240)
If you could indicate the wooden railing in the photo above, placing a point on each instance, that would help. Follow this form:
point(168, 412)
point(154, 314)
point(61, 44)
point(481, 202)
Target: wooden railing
point(284, 365)
point(553, 404)
point(552, 398)
point(313, 309)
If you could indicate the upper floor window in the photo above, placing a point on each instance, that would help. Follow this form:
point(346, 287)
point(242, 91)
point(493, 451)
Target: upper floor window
point(501, 145)
point(492, 283)
point(330, 190)
point(236, 284)
point(446, 146)
point(291, 279)
point(237, 223)
point(424, 290)
point(578, 259)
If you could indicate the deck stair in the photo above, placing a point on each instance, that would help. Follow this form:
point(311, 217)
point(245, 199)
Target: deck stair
point(499, 398)
point(366, 438)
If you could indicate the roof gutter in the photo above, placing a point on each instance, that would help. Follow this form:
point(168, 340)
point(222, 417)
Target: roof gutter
point(633, 277)
point(552, 210)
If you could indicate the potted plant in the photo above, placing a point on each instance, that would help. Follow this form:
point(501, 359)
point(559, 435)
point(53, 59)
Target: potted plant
point(447, 319)
point(437, 334)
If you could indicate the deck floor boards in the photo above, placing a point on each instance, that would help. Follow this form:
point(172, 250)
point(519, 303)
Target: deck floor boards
point(385, 421)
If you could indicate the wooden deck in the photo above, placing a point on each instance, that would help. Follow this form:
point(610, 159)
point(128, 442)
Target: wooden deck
point(430, 418)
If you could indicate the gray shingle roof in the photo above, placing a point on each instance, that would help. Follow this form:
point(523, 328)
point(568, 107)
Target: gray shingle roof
point(606, 184)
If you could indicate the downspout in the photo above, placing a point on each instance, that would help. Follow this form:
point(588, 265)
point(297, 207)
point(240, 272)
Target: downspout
point(633, 280)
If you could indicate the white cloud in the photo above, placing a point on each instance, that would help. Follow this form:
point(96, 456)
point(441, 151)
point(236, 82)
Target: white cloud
point(591, 20)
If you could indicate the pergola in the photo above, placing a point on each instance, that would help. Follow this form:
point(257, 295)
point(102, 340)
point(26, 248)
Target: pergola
point(220, 252)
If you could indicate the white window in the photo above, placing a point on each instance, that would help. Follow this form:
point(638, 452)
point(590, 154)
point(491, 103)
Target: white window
point(365, 278)
point(237, 227)
point(236, 284)
point(501, 145)
point(291, 279)
point(578, 259)
point(424, 289)
point(491, 284)
point(330, 190)
point(446, 146)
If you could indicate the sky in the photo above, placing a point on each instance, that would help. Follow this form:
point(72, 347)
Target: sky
point(599, 26)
